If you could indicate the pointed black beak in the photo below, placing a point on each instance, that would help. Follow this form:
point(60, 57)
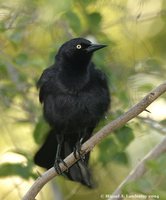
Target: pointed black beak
point(95, 47)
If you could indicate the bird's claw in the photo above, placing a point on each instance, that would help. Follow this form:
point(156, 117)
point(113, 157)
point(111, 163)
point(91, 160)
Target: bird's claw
point(77, 151)
point(57, 167)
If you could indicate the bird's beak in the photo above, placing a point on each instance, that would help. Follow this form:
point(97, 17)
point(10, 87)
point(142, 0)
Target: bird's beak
point(95, 47)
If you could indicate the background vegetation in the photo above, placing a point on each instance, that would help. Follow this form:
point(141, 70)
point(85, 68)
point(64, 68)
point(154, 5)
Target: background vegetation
point(135, 61)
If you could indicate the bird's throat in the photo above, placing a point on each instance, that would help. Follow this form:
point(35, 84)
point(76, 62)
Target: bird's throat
point(75, 78)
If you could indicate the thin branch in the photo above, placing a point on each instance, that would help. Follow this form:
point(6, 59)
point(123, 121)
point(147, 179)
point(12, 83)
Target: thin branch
point(95, 139)
point(153, 124)
point(140, 169)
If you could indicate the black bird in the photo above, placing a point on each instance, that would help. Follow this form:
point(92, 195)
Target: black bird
point(75, 97)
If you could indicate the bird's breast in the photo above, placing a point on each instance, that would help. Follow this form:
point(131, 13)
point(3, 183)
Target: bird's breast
point(81, 109)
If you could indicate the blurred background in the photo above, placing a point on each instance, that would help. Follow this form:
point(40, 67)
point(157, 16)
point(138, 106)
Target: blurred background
point(134, 61)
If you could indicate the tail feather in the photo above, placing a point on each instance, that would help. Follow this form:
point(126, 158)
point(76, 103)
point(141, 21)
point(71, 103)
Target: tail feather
point(45, 158)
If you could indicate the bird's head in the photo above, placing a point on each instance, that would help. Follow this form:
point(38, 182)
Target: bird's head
point(78, 51)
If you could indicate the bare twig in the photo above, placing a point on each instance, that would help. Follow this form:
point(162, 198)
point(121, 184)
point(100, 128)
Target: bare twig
point(95, 139)
point(153, 124)
point(140, 169)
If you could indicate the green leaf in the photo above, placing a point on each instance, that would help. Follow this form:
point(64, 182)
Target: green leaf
point(108, 149)
point(21, 59)
point(94, 20)
point(40, 131)
point(87, 2)
point(74, 21)
point(14, 169)
point(121, 158)
point(124, 135)
point(158, 166)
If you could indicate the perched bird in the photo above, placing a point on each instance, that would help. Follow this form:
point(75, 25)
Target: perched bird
point(75, 97)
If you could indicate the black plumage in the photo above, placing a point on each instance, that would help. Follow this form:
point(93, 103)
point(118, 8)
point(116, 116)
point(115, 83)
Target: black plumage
point(75, 97)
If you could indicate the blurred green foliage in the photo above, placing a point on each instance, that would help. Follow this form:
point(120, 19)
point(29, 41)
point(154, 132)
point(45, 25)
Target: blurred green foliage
point(154, 177)
point(31, 33)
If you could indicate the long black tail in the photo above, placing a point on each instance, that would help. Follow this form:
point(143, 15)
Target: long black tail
point(45, 157)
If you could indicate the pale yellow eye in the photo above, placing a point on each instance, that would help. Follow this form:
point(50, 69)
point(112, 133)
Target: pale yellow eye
point(78, 46)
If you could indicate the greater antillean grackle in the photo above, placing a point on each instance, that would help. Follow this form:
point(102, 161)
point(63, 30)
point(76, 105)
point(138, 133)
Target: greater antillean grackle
point(75, 97)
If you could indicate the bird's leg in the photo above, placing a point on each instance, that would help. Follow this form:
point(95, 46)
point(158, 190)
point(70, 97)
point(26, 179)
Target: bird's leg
point(77, 149)
point(58, 158)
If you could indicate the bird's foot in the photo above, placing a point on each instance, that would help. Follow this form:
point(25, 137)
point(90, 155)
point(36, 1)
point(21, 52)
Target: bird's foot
point(77, 151)
point(57, 167)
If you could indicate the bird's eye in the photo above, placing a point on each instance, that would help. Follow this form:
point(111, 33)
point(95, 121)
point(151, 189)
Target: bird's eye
point(78, 46)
